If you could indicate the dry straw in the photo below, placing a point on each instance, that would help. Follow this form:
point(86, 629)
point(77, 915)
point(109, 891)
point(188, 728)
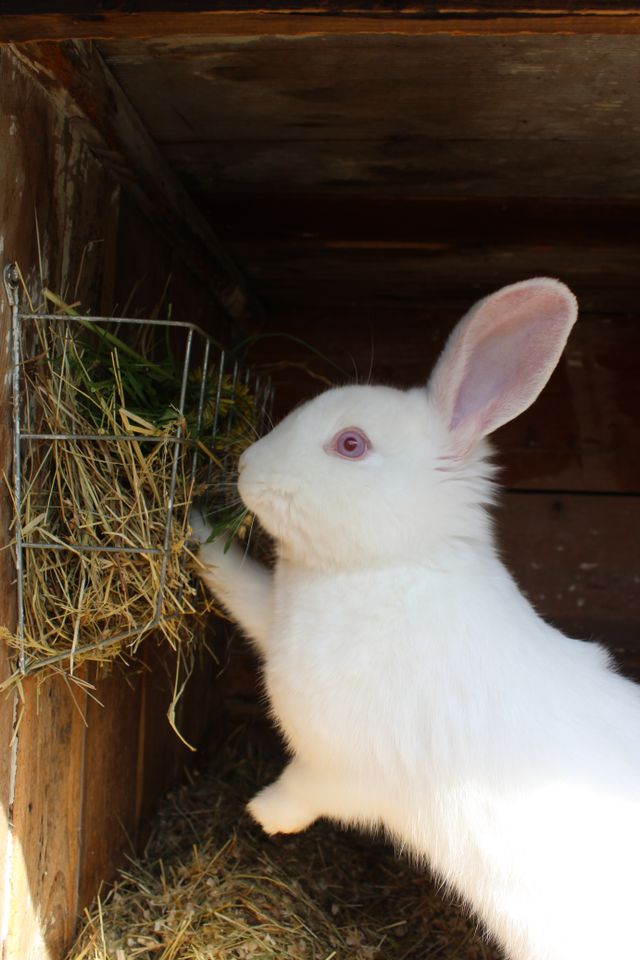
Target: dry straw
point(211, 886)
point(83, 379)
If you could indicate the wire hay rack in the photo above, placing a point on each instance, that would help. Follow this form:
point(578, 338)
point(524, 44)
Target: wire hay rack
point(118, 425)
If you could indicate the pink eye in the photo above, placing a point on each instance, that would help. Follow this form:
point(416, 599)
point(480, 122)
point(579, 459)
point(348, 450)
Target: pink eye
point(352, 444)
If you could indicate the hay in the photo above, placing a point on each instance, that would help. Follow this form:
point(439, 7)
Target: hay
point(127, 569)
point(211, 886)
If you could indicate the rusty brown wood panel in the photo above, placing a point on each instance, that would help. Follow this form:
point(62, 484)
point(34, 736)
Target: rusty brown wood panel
point(581, 434)
point(76, 79)
point(7, 572)
point(395, 221)
point(46, 820)
point(163, 755)
point(198, 714)
point(44, 178)
point(202, 710)
point(406, 115)
point(407, 276)
point(7, 766)
point(142, 19)
point(578, 560)
point(151, 278)
point(377, 88)
point(408, 166)
point(112, 749)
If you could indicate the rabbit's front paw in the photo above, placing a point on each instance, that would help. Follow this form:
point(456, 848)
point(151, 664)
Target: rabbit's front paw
point(278, 812)
point(199, 528)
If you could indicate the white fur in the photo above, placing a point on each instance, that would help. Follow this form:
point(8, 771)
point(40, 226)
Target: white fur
point(417, 689)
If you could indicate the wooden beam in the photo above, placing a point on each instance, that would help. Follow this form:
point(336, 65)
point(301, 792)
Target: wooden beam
point(45, 821)
point(153, 18)
point(395, 221)
point(78, 81)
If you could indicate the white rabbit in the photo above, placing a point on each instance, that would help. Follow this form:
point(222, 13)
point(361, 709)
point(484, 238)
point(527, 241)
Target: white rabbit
point(417, 689)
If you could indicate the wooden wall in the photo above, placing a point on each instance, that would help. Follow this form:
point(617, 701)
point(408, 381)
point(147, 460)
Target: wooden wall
point(81, 773)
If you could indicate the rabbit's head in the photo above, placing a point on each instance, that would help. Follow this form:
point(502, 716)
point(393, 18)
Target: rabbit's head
point(366, 476)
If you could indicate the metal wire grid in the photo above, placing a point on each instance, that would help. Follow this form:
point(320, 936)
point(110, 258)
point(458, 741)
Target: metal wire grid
point(196, 340)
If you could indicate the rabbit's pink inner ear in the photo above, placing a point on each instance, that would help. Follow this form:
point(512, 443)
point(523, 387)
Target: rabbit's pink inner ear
point(500, 357)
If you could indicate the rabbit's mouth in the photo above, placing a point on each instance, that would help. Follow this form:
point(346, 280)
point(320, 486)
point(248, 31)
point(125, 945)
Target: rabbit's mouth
point(273, 502)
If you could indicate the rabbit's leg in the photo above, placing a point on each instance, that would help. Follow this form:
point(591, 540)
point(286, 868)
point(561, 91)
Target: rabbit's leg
point(301, 795)
point(287, 805)
point(243, 586)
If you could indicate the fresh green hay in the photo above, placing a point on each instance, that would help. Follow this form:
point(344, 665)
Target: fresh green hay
point(84, 378)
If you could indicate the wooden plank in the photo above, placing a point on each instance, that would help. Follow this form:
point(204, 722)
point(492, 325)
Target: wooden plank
point(578, 559)
point(384, 89)
point(7, 782)
point(45, 821)
point(426, 253)
point(438, 275)
point(7, 569)
point(202, 708)
point(41, 177)
point(140, 19)
point(80, 85)
point(409, 166)
point(112, 747)
point(361, 8)
point(396, 220)
point(163, 756)
point(408, 115)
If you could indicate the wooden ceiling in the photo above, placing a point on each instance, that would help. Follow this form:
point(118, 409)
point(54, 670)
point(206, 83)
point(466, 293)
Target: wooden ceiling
point(374, 168)
point(394, 169)
point(407, 115)
point(388, 155)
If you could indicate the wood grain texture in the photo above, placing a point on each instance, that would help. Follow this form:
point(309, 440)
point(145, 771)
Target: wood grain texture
point(46, 819)
point(370, 88)
point(108, 825)
point(369, 276)
point(8, 191)
point(78, 82)
point(530, 116)
point(326, 218)
point(380, 252)
point(420, 166)
point(164, 757)
point(41, 179)
point(37, 21)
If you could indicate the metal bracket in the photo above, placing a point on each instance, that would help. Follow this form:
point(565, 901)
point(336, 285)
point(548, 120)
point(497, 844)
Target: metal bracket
point(11, 279)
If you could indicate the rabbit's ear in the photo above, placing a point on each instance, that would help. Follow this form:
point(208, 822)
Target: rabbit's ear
point(500, 356)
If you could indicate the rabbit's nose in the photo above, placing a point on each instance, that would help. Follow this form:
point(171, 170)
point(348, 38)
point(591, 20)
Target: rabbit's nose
point(241, 463)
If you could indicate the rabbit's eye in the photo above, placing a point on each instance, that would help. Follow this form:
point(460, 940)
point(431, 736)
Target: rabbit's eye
point(352, 444)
